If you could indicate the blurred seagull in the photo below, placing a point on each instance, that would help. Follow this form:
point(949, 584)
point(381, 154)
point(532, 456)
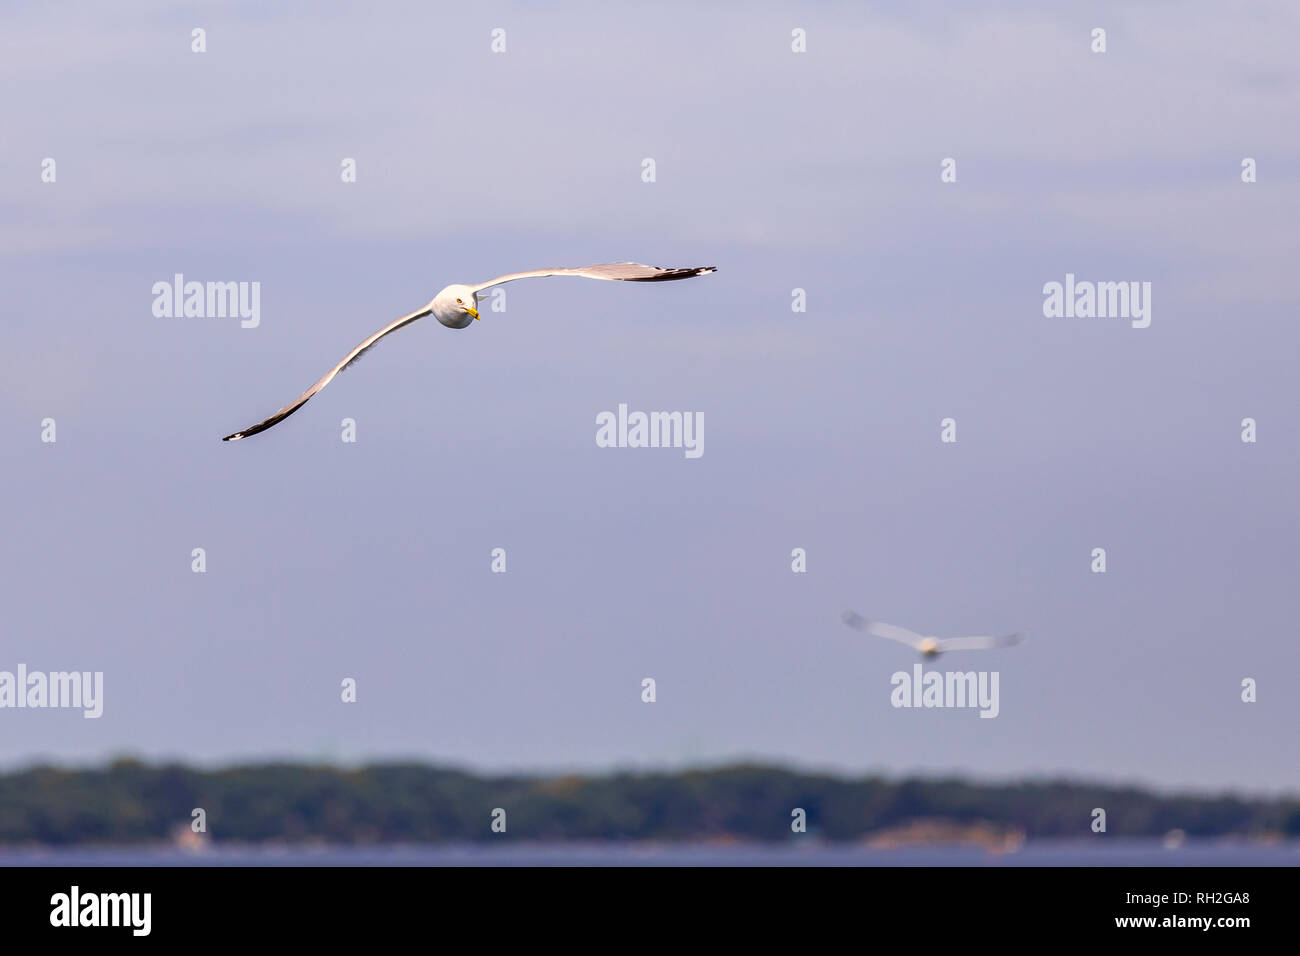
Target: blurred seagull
point(929, 646)
point(457, 306)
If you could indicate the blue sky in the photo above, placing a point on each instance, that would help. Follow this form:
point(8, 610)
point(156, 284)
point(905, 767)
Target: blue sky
point(818, 171)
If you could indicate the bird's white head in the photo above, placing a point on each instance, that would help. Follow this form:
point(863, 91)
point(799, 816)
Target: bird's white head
point(455, 306)
point(928, 647)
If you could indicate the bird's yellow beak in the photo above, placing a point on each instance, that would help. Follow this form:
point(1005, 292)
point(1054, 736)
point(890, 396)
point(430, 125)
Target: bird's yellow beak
point(472, 311)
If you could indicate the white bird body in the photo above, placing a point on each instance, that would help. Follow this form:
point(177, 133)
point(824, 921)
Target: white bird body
point(456, 307)
point(929, 646)
point(449, 306)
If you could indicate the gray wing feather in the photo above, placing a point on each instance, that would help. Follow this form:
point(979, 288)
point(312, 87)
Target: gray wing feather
point(890, 632)
point(980, 643)
point(623, 271)
point(328, 377)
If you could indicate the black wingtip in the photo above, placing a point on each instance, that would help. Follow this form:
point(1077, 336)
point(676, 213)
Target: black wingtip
point(667, 275)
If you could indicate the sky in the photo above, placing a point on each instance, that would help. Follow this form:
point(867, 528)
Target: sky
point(371, 560)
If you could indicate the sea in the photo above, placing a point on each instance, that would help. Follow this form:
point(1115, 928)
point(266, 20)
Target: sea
point(1101, 852)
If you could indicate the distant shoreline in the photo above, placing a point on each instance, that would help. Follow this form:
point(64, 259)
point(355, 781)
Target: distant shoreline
point(129, 803)
point(1042, 853)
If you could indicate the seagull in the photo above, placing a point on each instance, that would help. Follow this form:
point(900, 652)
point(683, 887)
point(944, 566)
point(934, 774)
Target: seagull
point(457, 306)
point(929, 646)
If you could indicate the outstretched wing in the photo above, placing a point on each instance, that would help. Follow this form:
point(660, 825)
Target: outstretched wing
point(980, 643)
point(625, 271)
point(890, 632)
point(325, 379)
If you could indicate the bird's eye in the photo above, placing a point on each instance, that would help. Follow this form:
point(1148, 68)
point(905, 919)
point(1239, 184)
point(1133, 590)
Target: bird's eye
point(458, 302)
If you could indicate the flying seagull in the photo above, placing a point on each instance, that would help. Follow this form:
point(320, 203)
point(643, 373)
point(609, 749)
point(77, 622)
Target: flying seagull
point(457, 306)
point(929, 646)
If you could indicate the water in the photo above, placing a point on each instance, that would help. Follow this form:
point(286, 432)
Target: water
point(1100, 852)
